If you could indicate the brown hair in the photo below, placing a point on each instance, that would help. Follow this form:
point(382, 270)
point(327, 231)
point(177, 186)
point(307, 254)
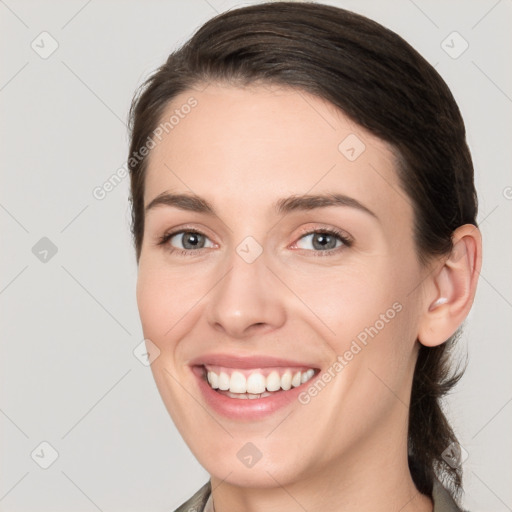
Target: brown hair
point(384, 85)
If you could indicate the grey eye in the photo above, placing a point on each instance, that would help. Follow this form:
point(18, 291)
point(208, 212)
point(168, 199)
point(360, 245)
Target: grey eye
point(320, 241)
point(189, 240)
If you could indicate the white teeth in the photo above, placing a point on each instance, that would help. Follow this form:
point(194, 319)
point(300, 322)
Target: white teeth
point(273, 381)
point(245, 396)
point(223, 381)
point(256, 385)
point(213, 379)
point(238, 384)
point(286, 380)
point(307, 375)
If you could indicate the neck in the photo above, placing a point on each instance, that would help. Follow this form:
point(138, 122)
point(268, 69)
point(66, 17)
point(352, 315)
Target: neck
point(329, 493)
point(371, 476)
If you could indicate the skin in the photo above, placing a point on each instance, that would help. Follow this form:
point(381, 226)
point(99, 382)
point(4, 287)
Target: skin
point(242, 149)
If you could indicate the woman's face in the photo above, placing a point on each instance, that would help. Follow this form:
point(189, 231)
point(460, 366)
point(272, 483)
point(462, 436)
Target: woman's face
point(245, 290)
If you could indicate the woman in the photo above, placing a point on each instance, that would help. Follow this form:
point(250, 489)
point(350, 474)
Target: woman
point(304, 219)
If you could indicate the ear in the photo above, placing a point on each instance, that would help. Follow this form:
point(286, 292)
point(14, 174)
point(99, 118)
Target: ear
point(451, 287)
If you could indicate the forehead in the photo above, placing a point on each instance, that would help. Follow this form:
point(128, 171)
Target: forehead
point(246, 147)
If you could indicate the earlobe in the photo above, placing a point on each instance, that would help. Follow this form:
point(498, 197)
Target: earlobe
point(452, 288)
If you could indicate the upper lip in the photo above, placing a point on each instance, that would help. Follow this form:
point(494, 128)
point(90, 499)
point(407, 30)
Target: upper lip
point(230, 361)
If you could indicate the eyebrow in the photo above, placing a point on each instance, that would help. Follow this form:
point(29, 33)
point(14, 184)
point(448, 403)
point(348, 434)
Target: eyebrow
point(194, 203)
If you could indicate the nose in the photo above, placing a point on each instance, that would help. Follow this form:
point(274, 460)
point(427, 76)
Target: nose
point(247, 300)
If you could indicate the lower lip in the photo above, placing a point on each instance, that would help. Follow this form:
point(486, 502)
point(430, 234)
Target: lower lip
point(246, 409)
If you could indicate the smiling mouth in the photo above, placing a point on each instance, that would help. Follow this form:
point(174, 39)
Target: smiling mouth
point(255, 383)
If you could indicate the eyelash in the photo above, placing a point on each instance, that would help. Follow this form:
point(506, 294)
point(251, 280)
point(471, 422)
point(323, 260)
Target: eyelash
point(347, 242)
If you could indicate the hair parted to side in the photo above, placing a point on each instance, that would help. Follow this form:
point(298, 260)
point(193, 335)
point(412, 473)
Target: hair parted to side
point(383, 84)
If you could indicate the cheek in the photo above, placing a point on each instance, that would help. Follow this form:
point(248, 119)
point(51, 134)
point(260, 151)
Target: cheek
point(149, 302)
point(366, 314)
point(345, 300)
point(166, 301)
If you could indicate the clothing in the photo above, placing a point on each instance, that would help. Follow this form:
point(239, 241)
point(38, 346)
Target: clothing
point(201, 501)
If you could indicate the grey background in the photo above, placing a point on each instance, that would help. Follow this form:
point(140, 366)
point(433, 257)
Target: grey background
point(70, 322)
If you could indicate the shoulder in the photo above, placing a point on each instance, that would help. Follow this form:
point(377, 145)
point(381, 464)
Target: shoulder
point(197, 502)
point(443, 501)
